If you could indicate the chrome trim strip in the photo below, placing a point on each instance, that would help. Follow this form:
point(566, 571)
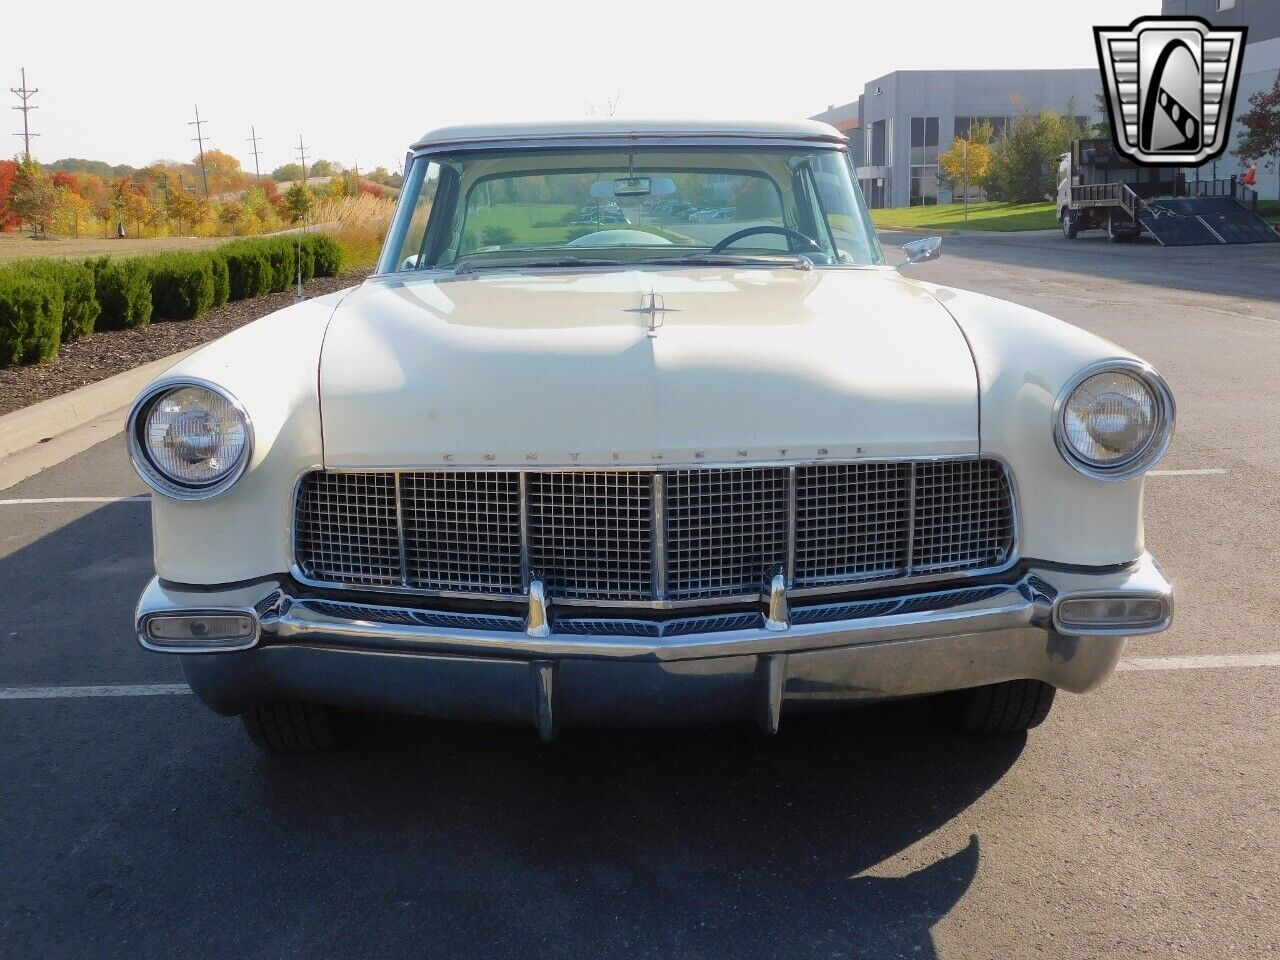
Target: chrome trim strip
point(658, 515)
point(609, 140)
point(1152, 450)
point(538, 623)
point(526, 575)
point(907, 561)
point(544, 689)
point(792, 495)
point(152, 475)
point(404, 554)
point(614, 466)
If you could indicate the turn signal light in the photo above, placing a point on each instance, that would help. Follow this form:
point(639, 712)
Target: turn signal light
point(204, 631)
point(1082, 614)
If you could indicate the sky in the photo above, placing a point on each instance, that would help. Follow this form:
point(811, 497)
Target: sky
point(120, 81)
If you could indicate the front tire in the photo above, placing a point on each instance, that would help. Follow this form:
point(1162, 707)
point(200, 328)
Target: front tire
point(291, 726)
point(1070, 225)
point(1009, 707)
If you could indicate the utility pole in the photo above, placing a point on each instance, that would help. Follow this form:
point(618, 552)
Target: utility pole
point(302, 154)
point(25, 95)
point(966, 179)
point(199, 138)
point(253, 135)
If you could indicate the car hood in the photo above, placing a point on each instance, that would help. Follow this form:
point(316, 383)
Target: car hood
point(562, 368)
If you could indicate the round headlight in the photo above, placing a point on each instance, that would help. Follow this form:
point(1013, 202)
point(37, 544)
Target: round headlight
point(1114, 419)
point(189, 440)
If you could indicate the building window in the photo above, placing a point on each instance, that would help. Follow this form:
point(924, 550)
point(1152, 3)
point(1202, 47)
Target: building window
point(924, 140)
point(999, 125)
point(877, 144)
point(924, 186)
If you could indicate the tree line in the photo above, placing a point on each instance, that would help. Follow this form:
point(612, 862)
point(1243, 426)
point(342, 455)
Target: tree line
point(83, 198)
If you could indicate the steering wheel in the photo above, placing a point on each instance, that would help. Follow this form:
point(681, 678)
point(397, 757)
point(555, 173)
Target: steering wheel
point(796, 235)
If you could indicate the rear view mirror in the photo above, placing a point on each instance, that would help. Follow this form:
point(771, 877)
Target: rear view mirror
point(921, 251)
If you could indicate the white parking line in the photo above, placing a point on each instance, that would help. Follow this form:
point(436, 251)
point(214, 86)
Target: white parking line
point(38, 500)
point(1203, 662)
point(1207, 661)
point(110, 690)
point(1212, 471)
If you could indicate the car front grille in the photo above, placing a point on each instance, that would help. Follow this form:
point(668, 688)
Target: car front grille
point(640, 536)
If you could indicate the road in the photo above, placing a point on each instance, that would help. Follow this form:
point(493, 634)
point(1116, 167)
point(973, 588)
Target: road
point(1141, 819)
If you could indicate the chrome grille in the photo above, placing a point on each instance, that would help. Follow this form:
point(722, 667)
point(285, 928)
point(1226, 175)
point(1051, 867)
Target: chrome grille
point(462, 530)
point(345, 530)
point(590, 533)
point(963, 516)
point(726, 530)
point(638, 536)
point(852, 522)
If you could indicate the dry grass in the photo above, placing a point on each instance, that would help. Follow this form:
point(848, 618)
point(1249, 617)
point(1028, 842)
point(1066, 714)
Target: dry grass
point(359, 224)
point(20, 246)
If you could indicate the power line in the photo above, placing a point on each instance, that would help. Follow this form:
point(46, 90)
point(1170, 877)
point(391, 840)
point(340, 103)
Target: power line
point(302, 153)
point(199, 138)
point(25, 96)
point(253, 135)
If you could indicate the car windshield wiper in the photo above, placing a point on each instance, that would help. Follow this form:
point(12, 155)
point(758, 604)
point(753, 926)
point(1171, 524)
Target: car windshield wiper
point(513, 263)
point(794, 260)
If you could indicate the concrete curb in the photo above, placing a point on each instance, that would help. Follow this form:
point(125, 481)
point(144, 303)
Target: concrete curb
point(51, 418)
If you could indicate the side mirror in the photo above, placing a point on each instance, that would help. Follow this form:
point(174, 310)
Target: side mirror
point(920, 251)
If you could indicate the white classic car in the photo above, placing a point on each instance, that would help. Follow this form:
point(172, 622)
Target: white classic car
point(555, 473)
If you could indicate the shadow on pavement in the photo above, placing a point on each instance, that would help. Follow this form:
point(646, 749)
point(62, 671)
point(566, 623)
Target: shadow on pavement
point(685, 842)
point(1243, 270)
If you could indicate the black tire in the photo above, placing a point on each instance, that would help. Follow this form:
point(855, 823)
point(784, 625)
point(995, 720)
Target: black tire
point(1070, 225)
point(291, 726)
point(1010, 707)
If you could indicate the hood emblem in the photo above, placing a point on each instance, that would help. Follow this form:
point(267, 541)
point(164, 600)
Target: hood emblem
point(654, 309)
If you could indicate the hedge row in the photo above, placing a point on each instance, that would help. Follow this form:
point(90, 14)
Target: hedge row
point(45, 303)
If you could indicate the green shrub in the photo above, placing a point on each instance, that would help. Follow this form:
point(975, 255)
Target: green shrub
point(248, 270)
point(280, 254)
point(30, 318)
point(75, 285)
point(181, 285)
point(327, 254)
point(123, 291)
point(221, 279)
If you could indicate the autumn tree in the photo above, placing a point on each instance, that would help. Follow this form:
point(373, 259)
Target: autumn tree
point(968, 162)
point(8, 219)
point(224, 173)
point(72, 213)
point(300, 201)
point(34, 196)
point(182, 207)
point(1261, 136)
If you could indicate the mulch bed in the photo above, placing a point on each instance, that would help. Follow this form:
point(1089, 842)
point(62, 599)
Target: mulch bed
point(115, 351)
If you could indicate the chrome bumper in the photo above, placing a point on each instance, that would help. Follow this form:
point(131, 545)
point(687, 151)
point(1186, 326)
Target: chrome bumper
point(454, 665)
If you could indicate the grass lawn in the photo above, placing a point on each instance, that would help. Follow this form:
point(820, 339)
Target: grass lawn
point(991, 215)
point(1270, 210)
point(20, 246)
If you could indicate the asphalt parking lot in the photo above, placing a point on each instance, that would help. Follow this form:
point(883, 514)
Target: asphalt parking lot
point(1143, 818)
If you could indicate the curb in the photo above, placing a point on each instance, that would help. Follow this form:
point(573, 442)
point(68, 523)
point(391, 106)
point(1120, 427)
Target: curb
point(51, 418)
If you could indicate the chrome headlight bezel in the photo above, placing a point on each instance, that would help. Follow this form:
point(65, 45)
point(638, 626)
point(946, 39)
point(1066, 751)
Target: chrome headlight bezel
point(1146, 456)
point(157, 479)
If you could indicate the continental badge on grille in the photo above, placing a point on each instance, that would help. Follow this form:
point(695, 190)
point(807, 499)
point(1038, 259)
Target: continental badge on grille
point(1171, 87)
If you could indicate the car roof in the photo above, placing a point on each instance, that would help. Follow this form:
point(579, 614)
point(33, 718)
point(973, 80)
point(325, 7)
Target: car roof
point(488, 133)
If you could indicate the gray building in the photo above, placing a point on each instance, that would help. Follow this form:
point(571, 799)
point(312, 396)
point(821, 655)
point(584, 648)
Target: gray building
point(904, 119)
point(1258, 72)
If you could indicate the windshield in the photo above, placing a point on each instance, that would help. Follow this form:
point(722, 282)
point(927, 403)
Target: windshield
point(630, 204)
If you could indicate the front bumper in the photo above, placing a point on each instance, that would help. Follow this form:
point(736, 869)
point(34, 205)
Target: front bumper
point(449, 664)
